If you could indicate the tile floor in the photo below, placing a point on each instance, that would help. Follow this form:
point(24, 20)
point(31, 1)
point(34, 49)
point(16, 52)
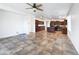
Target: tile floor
point(40, 43)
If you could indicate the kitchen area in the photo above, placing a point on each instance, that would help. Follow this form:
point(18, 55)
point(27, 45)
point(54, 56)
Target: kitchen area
point(51, 25)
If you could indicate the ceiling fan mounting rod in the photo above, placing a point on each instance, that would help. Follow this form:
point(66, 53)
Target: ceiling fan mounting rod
point(34, 5)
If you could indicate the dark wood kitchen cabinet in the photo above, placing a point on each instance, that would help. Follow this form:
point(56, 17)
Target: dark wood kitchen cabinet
point(37, 27)
point(64, 30)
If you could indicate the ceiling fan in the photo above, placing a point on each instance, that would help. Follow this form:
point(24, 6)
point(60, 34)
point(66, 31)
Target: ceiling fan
point(35, 7)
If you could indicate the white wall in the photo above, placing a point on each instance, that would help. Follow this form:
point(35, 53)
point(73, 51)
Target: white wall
point(12, 23)
point(74, 34)
point(69, 29)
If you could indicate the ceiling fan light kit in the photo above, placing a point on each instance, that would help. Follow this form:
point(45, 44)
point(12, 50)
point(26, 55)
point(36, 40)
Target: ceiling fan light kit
point(34, 9)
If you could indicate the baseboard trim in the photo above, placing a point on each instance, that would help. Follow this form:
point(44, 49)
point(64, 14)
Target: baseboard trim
point(74, 45)
point(12, 36)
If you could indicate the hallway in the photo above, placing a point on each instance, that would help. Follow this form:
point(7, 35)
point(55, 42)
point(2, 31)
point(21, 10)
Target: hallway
point(39, 43)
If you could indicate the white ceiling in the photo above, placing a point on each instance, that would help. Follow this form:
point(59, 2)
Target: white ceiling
point(56, 9)
point(50, 9)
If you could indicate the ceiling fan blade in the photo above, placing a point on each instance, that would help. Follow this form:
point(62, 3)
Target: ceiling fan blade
point(29, 4)
point(39, 9)
point(39, 5)
point(29, 8)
